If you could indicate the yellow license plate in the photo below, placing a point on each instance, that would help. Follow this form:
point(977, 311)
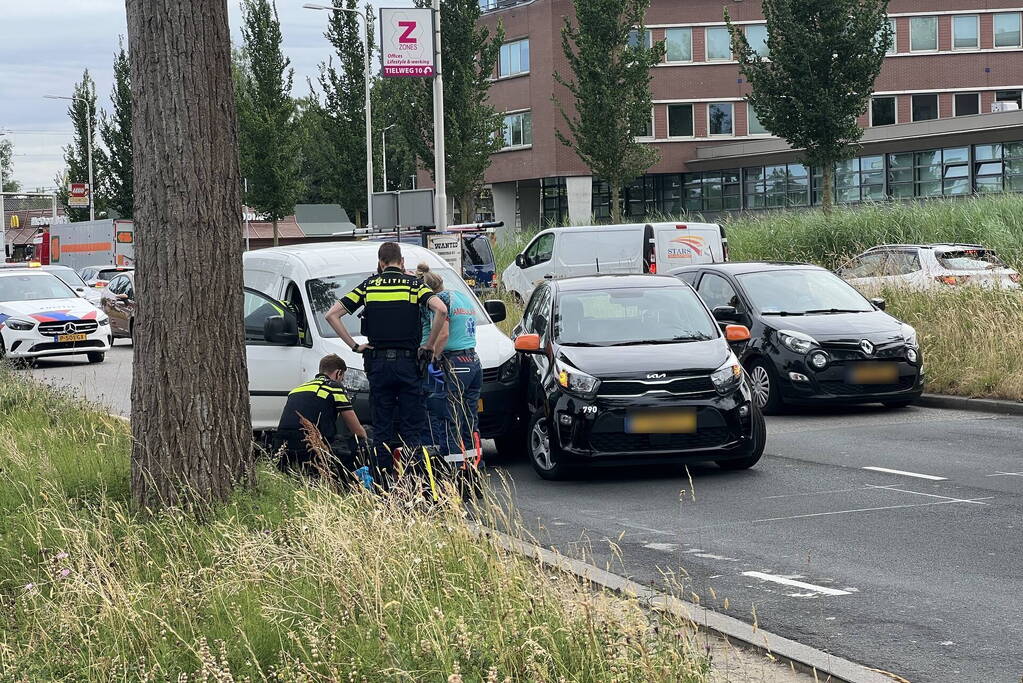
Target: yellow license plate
point(675, 422)
point(479, 406)
point(471, 283)
point(72, 337)
point(874, 373)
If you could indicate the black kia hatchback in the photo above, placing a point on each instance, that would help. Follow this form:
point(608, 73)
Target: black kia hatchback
point(632, 370)
point(815, 339)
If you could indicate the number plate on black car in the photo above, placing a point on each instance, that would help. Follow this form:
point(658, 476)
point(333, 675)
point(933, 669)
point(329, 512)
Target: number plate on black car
point(661, 422)
point(873, 373)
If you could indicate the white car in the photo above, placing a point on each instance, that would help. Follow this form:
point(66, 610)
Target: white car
point(40, 316)
point(928, 266)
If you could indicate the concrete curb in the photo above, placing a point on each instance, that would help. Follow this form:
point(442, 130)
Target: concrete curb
point(977, 405)
point(802, 657)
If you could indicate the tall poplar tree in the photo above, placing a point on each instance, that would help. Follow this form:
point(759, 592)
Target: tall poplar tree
point(824, 58)
point(115, 130)
point(82, 111)
point(7, 169)
point(268, 135)
point(610, 62)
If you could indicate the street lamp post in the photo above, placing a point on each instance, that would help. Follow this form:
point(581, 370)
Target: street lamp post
point(369, 119)
point(88, 122)
point(383, 152)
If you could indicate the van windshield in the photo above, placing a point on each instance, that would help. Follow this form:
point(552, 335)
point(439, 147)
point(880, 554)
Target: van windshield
point(326, 291)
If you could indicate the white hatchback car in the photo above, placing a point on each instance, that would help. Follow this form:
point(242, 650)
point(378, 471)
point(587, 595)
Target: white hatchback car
point(928, 266)
point(40, 316)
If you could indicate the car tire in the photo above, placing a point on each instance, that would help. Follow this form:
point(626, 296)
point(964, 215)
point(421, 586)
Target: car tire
point(96, 356)
point(757, 452)
point(544, 455)
point(764, 385)
point(897, 405)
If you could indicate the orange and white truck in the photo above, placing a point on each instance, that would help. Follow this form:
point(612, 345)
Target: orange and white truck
point(86, 243)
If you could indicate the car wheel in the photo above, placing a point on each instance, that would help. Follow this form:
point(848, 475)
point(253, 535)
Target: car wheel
point(96, 356)
point(763, 383)
point(543, 454)
point(897, 405)
point(757, 450)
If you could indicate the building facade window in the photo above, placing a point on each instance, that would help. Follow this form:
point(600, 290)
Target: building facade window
point(925, 107)
point(678, 43)
point(861, 179)
point(645, 131)
point(966, 32)
point(882, 111)
point(1007, 29)
point(894, 47)
point(753, 124)
point(518, 129)
point(680, 120)
point(756, 36)
point(923, 34)
point(988, 169)
point(514, 58)
point(720, 117)
point(719, 44)
point(640, 38)
point(966, 104)
point(713, 191)
point(554, 200)
point(1013, 156)
point(775, 187)
point(1009, 96)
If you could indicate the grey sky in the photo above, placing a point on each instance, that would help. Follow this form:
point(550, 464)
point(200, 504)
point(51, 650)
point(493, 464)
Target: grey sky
point(45, 45)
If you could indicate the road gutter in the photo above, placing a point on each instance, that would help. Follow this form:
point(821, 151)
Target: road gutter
point(804, 658)
point(976, 405)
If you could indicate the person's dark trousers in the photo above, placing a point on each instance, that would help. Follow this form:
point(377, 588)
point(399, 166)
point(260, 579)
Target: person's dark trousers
point(395, 393)
point(464, 385)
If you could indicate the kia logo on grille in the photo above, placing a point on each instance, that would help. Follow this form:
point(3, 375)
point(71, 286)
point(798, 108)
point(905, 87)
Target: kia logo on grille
point(657, 375)
point(867, 347)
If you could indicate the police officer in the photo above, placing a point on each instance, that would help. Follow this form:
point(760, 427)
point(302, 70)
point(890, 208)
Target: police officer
point(320, 400)
point(393, 300)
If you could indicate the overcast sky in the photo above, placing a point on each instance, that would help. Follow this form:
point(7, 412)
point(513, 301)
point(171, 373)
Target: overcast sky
point(45, 45)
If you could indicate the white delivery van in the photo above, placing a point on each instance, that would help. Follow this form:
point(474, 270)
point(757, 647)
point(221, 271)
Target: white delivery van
point(288, 290)
point(626, 248)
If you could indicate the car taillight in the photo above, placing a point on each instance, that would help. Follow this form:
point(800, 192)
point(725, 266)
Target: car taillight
point(653, 268)
point(952, 279)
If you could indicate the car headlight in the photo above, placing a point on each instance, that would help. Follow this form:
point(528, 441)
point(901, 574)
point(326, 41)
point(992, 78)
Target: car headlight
point(356, 381)
point(797, 341)
point(726, 378)
point(509, 369)
point(575, 380)
point(912, 355)
point(909, 335)
point(18, 324)
point(103, 320)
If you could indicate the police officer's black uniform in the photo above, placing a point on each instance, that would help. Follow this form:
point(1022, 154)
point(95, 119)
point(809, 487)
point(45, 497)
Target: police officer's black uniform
point(393, 300)
point(320, 401)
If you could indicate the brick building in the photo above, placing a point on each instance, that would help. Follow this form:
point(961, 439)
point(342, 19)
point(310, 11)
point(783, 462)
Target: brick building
point(931, 130)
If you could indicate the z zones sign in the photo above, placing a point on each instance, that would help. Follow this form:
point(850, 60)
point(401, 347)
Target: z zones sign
point(407, 43)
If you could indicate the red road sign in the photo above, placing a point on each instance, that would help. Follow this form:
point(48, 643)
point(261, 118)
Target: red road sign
point(78, 195)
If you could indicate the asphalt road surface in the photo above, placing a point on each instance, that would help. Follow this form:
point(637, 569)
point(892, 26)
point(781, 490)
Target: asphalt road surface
point(914, 571)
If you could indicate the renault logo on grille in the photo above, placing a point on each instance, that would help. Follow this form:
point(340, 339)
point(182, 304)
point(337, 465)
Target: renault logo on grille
point(867, 347)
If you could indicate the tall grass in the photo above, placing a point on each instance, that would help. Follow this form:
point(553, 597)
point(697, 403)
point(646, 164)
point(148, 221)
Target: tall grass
point(286, 582)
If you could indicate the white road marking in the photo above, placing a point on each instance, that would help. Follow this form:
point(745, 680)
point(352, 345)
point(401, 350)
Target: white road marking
point(804, 494)
point(797, 584)
point(906, 474)
point(664, 547)
point(1005, 474)
point(950, 499)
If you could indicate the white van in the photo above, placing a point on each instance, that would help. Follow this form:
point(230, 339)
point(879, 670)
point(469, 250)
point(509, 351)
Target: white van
point(627, 248)
point(284, 347)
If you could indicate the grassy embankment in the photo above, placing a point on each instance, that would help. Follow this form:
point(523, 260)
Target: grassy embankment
point(973, 339)
point(284, 583)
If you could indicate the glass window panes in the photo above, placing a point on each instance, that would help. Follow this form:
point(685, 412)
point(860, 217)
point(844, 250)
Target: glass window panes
point(712, 191)
point(923, 34)
point(640, 38)
point(925, 107)
point(882, 111)
point(756, 36)
point(514, 58)
point(965, 32)
point(987, 152)
point(1009, 96)
point(893, 48)
point(967, 103)
point(719, 44)
point(753, 121)
point(1007, 29)
point(680, 120)
point(646, 128)
point(719, 115)
point(518, 129)
point(956, 155)
point(678, 43)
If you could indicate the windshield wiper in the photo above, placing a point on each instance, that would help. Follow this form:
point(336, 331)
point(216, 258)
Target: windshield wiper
point(652, 342)
point(781, 313)
point(835, 310)
point(575, 343)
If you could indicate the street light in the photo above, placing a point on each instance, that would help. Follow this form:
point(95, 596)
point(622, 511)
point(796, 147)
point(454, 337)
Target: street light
point(383, 154)
point(88, 122)
point(369, 119)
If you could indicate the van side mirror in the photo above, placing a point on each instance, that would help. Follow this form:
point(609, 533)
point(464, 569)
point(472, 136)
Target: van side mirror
point(527, 343)
point(520, 261)
point(879, 303)
point(281, 329)
point(495, 308)
point(725, 314)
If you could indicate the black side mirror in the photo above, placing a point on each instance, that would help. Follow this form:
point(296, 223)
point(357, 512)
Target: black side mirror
point(725, 314)
point(281, 329)
point(495, 308)
point(520, 261)
point(879, 303)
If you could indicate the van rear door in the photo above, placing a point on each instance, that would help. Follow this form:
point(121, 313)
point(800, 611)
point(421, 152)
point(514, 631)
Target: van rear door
point(685, 244)
point(612, 249)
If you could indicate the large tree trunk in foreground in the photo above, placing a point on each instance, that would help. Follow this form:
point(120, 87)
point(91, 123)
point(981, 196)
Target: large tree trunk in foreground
point(190, 409)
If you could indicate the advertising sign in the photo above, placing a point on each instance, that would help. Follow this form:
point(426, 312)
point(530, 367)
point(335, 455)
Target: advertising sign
point(448, 247)
point(406, 42)
point(78, 195)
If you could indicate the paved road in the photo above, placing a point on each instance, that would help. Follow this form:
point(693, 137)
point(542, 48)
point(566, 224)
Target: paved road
point(918, 576)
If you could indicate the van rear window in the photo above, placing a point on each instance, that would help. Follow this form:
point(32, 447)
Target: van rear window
point(970, 259)
point(476, 251)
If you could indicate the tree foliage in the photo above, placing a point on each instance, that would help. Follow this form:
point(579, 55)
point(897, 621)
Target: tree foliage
point(267, 127)
point(82, 112)
point(610, 89)
point(824, 58)
point(115, 130)
point(7, 167)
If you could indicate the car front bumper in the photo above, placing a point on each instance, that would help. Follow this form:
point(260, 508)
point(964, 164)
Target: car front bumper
point(32, 344)
point(832, 385)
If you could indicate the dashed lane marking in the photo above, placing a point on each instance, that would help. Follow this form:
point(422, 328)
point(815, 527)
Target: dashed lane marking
point(797, 584)
point(906, 474)
point(1005, 474)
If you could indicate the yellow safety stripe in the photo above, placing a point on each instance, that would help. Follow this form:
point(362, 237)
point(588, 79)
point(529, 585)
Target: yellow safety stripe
point(389, 288)
point(389, 296)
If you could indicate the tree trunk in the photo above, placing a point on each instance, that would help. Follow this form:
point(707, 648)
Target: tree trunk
point(616, 204)
point(467, 207)
point(827, 189)
point(190, 405)
point(276, 237)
